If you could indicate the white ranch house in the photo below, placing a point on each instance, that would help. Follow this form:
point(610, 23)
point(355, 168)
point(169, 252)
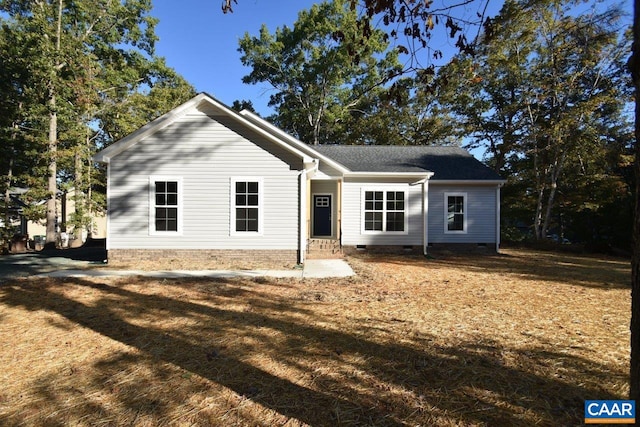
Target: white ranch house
point(204, 181)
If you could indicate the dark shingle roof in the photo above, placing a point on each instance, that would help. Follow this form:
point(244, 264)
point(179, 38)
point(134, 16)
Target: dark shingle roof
point(447, 163)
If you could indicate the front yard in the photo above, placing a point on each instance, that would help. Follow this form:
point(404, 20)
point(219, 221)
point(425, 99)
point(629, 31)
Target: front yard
point(517, 339)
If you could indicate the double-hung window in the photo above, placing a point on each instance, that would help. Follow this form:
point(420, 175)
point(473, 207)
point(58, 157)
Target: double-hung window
point(246, 206)
point(165, 214)
point(455, 213)
point(384, 211)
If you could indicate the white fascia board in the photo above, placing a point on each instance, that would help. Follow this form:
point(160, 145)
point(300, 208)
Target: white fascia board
point(415, 175)
point(268, 127)
point(499, 182)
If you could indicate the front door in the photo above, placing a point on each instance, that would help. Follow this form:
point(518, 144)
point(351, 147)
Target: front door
point(321, 215)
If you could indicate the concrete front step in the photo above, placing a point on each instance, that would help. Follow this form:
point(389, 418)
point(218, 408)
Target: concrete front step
point(324, 248)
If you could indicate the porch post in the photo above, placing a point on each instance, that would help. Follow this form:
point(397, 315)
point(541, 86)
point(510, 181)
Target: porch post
point(425, 216)
point(302, 245)
point(498, 219)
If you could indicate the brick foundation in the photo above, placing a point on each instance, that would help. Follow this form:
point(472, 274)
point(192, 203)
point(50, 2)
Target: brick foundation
point(459, 248)
point(203, 259)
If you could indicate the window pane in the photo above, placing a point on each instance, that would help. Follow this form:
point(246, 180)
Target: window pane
point(241, 187)
point(172, 187)
point(457, 223)
point(252, 187)
point(395, 221)
point(373, 221)
point(252, 219)
point(455, 204)
point(247, 219)
point(368, 196)
point(161, 187)
point(241, 200)
point(455, 213)
point(161, 199)
point(252, 200)
point(172, 199)
point(172, 213)
point(161, 213)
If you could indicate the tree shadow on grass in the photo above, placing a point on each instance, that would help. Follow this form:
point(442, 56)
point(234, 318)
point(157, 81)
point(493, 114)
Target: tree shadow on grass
point(345, 375)
point(584, 270)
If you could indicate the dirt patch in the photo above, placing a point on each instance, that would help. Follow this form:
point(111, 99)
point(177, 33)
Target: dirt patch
point(516, 339)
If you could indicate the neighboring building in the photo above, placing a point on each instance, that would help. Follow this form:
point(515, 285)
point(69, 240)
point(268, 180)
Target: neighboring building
point(65, 208)
point(203, 181)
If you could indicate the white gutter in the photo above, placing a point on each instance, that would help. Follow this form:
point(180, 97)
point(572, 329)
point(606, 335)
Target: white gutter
point(422, 175)
point(468, 182)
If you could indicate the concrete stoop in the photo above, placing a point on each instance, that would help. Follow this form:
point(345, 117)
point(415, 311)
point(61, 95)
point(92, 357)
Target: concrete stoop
point(324, 249)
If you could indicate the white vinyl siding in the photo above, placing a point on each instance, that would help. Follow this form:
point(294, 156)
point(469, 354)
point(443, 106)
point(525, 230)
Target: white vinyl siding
point(479, 213)
point(205, 150)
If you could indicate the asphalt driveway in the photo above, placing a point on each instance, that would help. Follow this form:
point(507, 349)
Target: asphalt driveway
point(47, 261)
point(77, 263)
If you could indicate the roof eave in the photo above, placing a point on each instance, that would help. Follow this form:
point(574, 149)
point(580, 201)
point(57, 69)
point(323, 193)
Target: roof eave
point(424, 175)
point(469, 181)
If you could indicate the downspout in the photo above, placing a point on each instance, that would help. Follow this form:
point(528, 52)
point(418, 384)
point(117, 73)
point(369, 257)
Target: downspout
point(425, 217)
point(425, 211)
point(498, 218)
point(108, 239)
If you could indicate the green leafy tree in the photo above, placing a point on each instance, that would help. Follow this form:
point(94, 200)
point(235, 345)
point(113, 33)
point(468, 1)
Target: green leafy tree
point(86, 62)
point(634, 68)
point(545, 96)
point(321, 70)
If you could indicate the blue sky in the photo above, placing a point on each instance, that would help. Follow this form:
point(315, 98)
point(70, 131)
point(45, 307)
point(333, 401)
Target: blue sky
point(200, 42)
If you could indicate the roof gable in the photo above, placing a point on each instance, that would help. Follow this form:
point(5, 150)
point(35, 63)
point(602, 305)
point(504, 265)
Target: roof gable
point(174, 115)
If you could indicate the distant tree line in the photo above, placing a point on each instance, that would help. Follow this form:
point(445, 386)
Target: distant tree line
point(543, 91)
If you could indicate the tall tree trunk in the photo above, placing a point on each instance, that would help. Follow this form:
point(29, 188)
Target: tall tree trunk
point(634, 66)
point(52, 186)
point(551, 200)
point(7, 205)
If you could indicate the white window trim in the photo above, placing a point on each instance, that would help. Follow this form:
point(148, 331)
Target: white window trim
point(384, 189)
point(465, 212)
point(232, 206)
point(152, 205)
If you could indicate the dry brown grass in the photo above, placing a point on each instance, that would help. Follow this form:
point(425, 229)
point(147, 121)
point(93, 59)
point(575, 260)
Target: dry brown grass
point(517, 339)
